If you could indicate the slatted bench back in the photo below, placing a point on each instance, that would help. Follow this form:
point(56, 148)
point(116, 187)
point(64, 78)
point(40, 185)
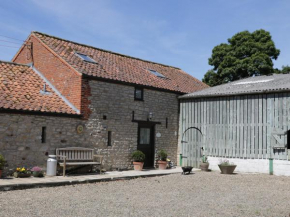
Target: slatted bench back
point(76, 154)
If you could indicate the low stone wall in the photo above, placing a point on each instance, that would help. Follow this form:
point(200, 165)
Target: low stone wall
point(280, 167)
point(21, 138)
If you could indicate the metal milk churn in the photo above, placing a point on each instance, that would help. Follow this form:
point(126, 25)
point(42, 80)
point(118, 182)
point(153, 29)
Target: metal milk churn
point(51, 165)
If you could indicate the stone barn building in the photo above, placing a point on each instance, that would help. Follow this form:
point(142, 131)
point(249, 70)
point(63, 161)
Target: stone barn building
point(245, 121)
point(55, 88)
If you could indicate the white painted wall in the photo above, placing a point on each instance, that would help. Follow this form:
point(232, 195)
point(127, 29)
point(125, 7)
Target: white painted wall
point(281, 167)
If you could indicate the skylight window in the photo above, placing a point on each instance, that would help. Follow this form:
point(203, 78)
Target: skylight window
point(86, 58)
point(156, 73)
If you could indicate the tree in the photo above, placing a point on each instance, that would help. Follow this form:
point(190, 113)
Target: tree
point(285, 70)
point(246, 54)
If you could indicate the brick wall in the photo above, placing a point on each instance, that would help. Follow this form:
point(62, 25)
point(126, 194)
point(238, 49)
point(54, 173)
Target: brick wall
point(62, 76)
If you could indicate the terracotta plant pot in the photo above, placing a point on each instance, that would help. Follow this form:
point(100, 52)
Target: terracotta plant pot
point(227, 169)
point(138, 166)
point(162, 165)
point(204, 166)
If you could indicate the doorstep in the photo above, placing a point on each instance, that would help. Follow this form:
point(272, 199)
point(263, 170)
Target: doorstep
point(8, 184)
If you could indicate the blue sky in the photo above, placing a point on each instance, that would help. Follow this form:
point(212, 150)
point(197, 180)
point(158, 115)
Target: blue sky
point(180, 33)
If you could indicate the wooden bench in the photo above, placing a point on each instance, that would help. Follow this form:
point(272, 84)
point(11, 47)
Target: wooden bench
point(75, 156)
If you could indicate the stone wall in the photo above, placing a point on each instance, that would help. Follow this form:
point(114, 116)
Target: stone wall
point(20, 135)
point(116, 102)
point(21, 141)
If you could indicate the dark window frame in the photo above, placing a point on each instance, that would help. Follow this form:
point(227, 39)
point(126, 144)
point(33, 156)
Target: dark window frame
point(142, 94)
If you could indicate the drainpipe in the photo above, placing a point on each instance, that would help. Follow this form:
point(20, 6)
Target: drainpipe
point(180, 160)
point(271, 166)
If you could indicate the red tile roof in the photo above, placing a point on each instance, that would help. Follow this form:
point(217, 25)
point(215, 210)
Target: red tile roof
point(122, 68)
point(20, 89)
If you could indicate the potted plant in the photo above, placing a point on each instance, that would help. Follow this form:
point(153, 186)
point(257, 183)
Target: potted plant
point(162, 163)
point(138, 160)
point(204, 163)
point(37, 172)
point(22, 172)
point(226, 167)
point(2, 164)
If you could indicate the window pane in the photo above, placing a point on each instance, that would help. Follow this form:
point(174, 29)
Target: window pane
point(144, 135)
point(86, 58)
point(156, 73)
point(138, 93)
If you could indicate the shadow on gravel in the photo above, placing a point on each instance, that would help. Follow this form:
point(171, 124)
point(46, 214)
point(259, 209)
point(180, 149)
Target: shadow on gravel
point(230, 174)
point(187, 174)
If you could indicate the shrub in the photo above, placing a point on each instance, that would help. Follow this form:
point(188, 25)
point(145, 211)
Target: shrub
point(138, 156)
point(36, 169)
point(2, 162)
point(225, 162)
point(23, 170)
point(162, 155)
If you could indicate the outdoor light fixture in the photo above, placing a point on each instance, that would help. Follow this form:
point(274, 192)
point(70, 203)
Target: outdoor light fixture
point(150, 116)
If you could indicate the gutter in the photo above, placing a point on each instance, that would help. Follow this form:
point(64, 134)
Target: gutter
point(185, 97)
point(40, 113)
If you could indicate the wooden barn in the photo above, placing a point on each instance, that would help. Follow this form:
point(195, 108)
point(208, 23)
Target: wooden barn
point(246, 122)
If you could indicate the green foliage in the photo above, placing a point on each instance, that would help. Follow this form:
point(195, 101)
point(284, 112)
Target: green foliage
point(246, 54)
point(2, 162)
point(138, 156)
point(226, 163)
point(162, 155)
point(284, 70)
point(204, 159)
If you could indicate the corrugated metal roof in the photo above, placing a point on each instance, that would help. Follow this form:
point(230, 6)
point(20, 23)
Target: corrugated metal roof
point(252, 85)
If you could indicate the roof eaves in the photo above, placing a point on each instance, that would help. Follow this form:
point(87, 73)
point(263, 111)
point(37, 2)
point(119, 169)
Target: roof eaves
point(41, 113)
point(188, 96)
point(91, 77)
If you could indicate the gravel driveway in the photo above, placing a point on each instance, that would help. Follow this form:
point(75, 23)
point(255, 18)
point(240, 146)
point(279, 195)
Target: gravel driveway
point(199, 194)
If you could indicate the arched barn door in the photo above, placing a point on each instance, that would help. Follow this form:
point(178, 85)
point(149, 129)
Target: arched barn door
point(191, 147)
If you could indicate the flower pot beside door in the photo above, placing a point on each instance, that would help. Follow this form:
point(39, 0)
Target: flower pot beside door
point(162, 162)
point(138, 160)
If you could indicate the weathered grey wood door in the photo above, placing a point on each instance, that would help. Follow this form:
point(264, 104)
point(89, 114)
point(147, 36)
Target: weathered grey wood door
point(279, 143)
point(191, 150)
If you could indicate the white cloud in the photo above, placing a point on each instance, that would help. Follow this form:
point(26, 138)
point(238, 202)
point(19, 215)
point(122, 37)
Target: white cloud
point(102, 19)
